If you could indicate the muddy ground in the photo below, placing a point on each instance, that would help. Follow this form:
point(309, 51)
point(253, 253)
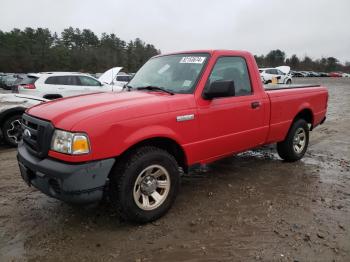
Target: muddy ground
point(245, 208)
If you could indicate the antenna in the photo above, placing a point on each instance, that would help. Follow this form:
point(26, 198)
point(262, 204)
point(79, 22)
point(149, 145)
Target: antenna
point(112, 77)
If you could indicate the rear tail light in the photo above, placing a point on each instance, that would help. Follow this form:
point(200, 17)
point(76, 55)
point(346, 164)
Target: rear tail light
point(28, 86)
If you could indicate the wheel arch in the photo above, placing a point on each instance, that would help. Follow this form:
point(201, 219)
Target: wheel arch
point(305, 114)
point(165, 143)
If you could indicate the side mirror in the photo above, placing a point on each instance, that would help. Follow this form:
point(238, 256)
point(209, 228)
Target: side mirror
point(216, 89)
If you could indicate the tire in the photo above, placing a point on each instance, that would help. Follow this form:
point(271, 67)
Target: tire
point(289, 82)
point(292, 150)
point(11, 130)
point(133, 184)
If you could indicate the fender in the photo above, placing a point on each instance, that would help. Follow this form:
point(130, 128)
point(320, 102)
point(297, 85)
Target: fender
point(303, 106)
point(148, 132)
point(306, 106)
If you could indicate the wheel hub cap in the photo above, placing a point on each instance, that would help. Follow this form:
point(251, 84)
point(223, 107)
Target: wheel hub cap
point(151, 187)
point(148, 185)
point(299, 140)
point(15, 131)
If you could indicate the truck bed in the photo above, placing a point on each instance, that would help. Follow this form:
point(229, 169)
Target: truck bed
point(286, 101)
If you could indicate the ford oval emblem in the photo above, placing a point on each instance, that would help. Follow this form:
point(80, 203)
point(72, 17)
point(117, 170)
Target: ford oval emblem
point(27, 133)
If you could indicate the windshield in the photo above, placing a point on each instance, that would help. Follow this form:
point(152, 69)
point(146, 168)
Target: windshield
point(176, 73)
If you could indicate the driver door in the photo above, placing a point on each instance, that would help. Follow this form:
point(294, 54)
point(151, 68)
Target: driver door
point(231, 124)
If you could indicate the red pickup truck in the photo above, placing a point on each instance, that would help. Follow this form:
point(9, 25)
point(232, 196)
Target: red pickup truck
point(180, 109)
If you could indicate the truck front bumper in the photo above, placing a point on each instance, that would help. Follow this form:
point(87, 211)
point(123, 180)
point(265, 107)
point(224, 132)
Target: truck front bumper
point(75, 183)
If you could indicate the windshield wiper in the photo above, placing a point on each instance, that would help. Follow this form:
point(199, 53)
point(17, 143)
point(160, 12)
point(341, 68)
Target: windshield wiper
point(155, 88)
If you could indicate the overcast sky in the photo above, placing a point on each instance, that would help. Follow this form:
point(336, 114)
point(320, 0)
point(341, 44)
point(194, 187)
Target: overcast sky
point(313, 27)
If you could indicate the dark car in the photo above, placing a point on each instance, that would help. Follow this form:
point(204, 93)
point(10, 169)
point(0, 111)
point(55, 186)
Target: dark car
point(298, 74)
point(8, 81)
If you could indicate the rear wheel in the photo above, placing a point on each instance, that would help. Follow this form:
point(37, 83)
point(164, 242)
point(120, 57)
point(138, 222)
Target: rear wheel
point(145, 184)
point(12, 131)
point(295, 145)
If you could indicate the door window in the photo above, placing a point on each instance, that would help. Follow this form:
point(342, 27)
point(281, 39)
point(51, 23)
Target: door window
point(52, 80)
point(88, 81)
point(232, 69)
point(279, 72)
point(62, 80)
point(71, 80)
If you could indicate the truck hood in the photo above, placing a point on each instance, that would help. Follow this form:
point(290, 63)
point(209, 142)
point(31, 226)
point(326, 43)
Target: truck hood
point(66, 113)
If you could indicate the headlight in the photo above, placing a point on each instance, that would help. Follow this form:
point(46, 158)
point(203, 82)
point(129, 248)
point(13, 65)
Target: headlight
point(70, 143)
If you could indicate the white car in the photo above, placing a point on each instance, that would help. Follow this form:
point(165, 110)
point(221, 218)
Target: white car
point(281, 75)
point(345, 75)
point(12, 106)
point(61, 84)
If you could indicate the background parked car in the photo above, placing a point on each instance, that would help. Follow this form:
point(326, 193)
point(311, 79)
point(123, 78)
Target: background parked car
point(25, 82)
point(7, 81)
point(12, 106)
point(2, 75)
point(60, 84)
point(115, 77)
point(122, 79)
point(282, 74)
point(335, 74)
point(298, 74)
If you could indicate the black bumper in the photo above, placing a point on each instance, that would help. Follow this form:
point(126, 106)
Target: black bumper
point(74, 183)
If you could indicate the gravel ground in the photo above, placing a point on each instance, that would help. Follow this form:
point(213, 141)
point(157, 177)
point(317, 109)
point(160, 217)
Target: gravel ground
point(248, 207)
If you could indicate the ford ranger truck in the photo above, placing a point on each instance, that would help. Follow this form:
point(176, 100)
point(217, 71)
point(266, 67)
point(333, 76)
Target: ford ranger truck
point(179, 110)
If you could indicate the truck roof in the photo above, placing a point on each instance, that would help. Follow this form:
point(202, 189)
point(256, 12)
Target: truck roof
point(210, 51)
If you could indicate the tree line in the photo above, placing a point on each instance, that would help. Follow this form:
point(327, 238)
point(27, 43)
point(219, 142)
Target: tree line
point(325, 64)
point(39, 50)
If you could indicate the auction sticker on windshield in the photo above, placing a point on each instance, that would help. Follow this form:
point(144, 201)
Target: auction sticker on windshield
point(192, 60)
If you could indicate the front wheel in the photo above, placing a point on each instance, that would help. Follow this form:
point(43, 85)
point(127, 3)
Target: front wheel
point(289, 82)
point(144, 185)
point(12, 131)
point(294, 146)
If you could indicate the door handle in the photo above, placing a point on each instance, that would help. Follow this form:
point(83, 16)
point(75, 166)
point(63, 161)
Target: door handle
point(255, 104)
